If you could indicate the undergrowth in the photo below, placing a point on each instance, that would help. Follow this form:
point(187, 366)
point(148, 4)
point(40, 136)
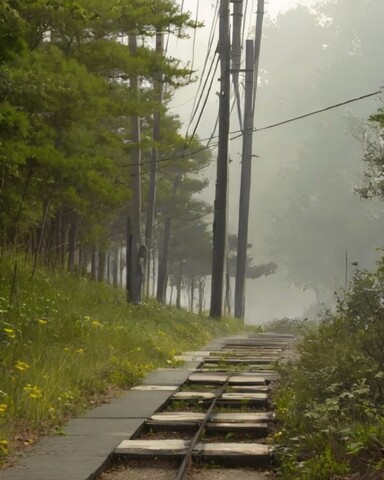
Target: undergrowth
point(66, 342)
point(330, 403)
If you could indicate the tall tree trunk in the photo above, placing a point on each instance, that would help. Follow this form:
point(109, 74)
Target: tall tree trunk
point(192, 292)
point(94, 264)
point(42, 230)
point(178, 285)
point(27, 183)
point(102, 264)
point(72, 241)
point(163, 262)
point(115, 267)
point(201, 294)
point(63, 239)
point(135, 259)
point(158, 89)
point(164, 253)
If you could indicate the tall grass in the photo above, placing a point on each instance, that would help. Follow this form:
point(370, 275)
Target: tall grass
point(65, 341)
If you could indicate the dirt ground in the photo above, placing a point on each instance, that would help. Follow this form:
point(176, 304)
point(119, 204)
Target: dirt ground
point(160, 470)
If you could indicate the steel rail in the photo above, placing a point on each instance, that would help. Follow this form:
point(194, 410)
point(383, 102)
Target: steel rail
point(186, 460)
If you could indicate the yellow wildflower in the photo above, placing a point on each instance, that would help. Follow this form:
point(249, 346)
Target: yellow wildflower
point(10, 332)
point(3, 408)
point(41, 321)
point(96, 323)
point(33, 391)
point(3, 447)
point(21, 365)
point(79, 350)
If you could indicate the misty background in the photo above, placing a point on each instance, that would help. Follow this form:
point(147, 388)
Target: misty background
point(304, 213)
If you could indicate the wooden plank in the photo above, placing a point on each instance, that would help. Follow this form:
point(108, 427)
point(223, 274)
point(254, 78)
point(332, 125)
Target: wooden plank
point(192, 395)
point(232, 417)
point(208, 378)
point(250, 388)
point(152, 447)
point(178, 417)
point(247, 379)
point(164, 388)
point(233, 449)
point(236, 427)
point(260, 397)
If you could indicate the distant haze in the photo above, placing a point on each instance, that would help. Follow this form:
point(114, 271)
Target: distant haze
point(304, 214)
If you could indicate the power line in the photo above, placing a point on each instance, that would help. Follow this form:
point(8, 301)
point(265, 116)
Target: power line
point(299, 117)
point(316, 112)
point(209, 51)
point(267, 127)
point(196, 105)
point(204, 104)
point(175, 157)
point(194, 38)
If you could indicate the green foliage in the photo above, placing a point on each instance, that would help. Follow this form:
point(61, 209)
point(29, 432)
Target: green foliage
point(331, 400)
point(293, 326)
point(374, 158)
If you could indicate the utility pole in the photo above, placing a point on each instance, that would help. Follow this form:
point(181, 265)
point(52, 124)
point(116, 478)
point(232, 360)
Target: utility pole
point(245, 187)
point(220, 220)
point(252, 68)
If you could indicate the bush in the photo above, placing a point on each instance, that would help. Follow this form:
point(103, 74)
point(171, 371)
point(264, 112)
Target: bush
point(330, 402)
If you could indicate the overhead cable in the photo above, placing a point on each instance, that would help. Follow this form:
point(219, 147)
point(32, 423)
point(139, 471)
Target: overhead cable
point(267, 127)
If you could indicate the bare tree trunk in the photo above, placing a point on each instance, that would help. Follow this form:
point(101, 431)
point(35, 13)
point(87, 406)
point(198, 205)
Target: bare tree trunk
point(72, 240)
point(63, 239)
point(115, 267)
point(201, 294)
point(178, 285)
point(94, 264)
point(101, 269)
point(163, 261)
point(164, 253)
point(192, 292)
point(37, 253)
point(158, 88)
point(135, 258)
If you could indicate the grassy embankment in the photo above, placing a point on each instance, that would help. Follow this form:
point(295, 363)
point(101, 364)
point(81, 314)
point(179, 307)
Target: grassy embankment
point(67, 342)
point(330, 403)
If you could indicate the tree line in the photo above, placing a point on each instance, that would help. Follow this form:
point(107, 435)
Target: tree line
point(70, 86)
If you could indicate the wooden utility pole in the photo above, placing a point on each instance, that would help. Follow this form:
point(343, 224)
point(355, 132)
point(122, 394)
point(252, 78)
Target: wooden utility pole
point(220, 220)
point(245, 187)
point(252, 68)
point(158, 88)
point(134, 273)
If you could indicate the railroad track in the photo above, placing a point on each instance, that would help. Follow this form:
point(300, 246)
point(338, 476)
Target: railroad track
point(221, 415)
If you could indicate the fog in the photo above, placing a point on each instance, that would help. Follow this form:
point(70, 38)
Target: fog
point(304, 215)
